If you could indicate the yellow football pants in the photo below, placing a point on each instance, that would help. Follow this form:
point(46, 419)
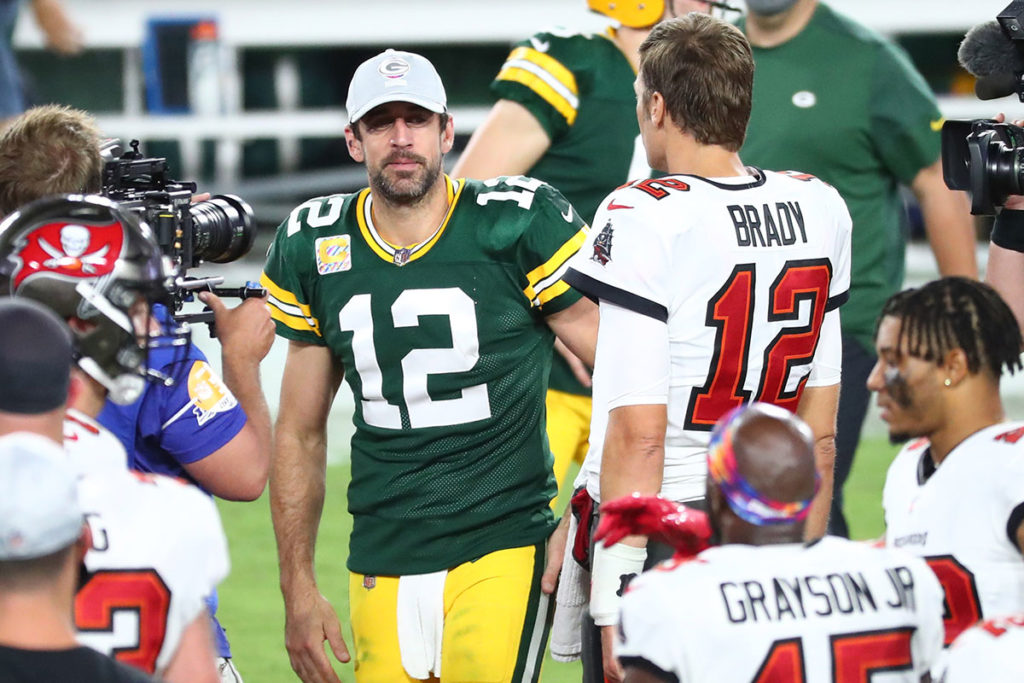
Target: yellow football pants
point(496, 621)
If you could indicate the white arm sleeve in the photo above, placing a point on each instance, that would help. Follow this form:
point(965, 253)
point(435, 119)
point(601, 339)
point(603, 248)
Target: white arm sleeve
point(827, 366)
point(632, 357)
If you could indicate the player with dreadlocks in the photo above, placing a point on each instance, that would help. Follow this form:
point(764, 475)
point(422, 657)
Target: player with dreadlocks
point(955, 494)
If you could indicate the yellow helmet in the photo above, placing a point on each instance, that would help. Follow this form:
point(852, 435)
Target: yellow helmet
point(631, 13)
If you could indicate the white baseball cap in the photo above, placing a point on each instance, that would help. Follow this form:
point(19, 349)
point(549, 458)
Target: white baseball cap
point(39, 511)
point(394, 76)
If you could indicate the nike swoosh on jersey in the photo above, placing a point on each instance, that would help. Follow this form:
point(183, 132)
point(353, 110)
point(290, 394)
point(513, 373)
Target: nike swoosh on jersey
point(612, 206)
point(567, 215)
point(539, 45)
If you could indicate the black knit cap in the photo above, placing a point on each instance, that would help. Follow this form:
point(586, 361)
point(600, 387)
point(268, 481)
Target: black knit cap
point(35, 357)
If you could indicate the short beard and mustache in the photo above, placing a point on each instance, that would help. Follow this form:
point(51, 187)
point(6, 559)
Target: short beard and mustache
point(404, 189)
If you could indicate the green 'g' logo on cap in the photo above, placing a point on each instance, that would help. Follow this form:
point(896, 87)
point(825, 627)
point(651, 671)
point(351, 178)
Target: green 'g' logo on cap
point(395, 67)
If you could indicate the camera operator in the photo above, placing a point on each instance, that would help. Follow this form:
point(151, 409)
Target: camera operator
point(211, 431)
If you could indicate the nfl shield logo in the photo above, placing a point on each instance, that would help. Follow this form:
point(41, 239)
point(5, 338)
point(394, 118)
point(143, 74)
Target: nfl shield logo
point(402, 257)
point(369, 582)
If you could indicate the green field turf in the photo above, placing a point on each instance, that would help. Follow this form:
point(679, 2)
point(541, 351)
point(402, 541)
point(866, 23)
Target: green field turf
point(252, 610)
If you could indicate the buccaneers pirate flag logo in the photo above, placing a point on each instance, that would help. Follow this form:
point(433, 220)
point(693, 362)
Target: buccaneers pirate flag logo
point(71, 249)
point(603, 245)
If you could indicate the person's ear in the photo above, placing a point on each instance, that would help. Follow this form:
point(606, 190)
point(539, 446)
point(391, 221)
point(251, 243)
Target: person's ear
point(954, 365)
point(448, 136)
point(354, 145)
point(656, 109)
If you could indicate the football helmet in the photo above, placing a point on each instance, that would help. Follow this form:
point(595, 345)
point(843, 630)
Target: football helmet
point(98, 267)
point(631, 13)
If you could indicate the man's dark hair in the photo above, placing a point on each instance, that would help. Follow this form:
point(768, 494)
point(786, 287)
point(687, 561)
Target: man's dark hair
point(48, 150)
point(704, 69)
point(957, 313)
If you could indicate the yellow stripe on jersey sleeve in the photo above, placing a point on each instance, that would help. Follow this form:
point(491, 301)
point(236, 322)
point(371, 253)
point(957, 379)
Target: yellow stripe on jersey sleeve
point(287, 309)
point(546, 76)
point(282, 295)
point(300, 324)
point(551, 292)
point(547, 269)
point(548, 64)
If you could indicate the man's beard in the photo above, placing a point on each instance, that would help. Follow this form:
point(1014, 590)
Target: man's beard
point(404, 189)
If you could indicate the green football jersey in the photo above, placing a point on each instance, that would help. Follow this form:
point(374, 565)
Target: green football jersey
point(447, 354)
point(843, 103)
point(579, 87)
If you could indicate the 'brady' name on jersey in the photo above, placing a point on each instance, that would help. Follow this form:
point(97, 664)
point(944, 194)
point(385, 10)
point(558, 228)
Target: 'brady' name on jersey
point(768, 226)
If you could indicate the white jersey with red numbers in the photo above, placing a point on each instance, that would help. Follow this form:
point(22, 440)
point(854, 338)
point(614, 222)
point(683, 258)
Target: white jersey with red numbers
point(992, 651)
point(962, 517)
point(158, 549)
point(747, 275)
point(835, 611)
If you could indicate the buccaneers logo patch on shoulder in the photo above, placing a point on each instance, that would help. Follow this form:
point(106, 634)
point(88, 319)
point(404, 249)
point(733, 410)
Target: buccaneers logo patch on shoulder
point(603, 245)
point(333, 254)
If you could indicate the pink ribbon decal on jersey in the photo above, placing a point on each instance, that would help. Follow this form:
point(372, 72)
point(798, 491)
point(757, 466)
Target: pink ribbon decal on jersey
point(746, 501)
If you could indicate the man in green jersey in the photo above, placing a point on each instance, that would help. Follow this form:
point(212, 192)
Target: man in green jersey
point(566, 114)
point(438, 301)
point(835, 99)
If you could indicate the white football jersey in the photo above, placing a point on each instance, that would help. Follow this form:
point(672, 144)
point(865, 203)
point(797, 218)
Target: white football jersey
point(990, 652)
point(963, 519)
point(834, 610)
point(158, 549)
point(746, 272)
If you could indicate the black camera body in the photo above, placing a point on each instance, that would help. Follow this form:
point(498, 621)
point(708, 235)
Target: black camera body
point(220, 229)
point(985, 159)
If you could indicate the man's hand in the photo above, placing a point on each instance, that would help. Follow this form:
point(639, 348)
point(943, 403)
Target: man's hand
point(556, 553)
point(613, 672)
point(310, 621)
point(246, 331)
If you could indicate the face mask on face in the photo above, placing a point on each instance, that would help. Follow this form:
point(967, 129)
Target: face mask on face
point(769, 7)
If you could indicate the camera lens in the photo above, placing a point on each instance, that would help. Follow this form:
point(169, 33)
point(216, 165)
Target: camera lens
point(223, 228)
